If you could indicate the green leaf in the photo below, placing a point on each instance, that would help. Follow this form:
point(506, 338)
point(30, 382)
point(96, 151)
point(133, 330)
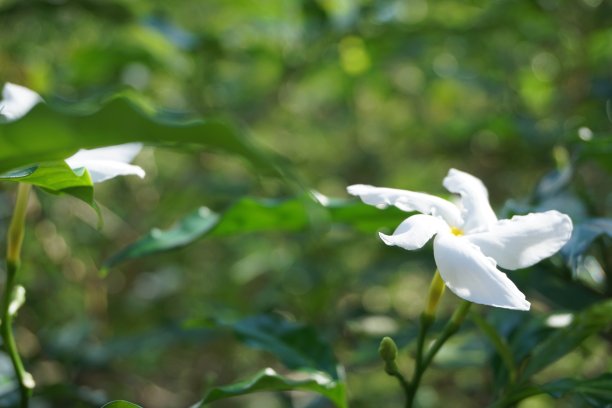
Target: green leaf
point(498, 343)
point(562, 341)
point(256, 215)
point(188, 229)
point(55, 177)
point(48, 135)
point(298, 346)
point(596, 391)
point(269, 380)
point(599, 388)
point(120, 404)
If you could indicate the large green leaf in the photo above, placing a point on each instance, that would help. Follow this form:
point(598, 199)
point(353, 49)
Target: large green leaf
point(269, 380)
point(56, 177)
point(48, 135)
point(255, 215)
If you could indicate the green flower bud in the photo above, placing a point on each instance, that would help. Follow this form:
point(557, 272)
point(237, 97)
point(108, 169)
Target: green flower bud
point(388, 352)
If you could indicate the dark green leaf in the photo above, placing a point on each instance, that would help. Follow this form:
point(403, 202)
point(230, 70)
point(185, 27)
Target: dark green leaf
point(562, 341)
point(48, 135)
point(120, 404)
point(596, 391)
point(269, 380)
point(498, 343)
point(255, 215)
point(298, 346)
point(599, 388)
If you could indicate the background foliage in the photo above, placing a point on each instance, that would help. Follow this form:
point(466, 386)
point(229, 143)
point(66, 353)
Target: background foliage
point(306, 95)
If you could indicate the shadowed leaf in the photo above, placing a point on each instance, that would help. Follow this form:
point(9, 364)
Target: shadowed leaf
point(47, 135)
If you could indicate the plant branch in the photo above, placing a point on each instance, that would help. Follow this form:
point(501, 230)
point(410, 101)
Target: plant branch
point(13, 294)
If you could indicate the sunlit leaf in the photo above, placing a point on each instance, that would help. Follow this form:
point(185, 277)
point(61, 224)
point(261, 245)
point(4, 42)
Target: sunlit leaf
point(256, 215)
point(268, 380)
point(55, 177)
point(120, 404)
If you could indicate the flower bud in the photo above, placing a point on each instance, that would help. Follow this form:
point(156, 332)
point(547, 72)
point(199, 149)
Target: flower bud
point(388, 352)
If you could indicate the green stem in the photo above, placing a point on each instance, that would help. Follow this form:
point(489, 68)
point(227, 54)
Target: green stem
point(436, 290)
point(404, 384)
point(16, 233)
point(423, 362)
point(450, 329)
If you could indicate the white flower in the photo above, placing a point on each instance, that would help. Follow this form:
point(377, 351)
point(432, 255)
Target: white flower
point(107, 162)
point(102, 164)
point(470, 241)
point(16, 101)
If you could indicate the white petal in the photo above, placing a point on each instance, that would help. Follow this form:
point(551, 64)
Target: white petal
point(407, 201)
point(16, 101)
point(524, 240)
point(477, 211)
point(124, 153)
point(108, 162)
point(415, 231)
point(473, 276)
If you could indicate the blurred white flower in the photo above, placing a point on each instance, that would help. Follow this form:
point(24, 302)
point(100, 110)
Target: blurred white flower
point(16, 101)
point(470, 241)
point(107, 162)
point(102, 164)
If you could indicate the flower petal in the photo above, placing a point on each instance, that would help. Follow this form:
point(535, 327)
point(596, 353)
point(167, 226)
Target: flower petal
point(524, 240)
point(473, 276)
point(17, 101)
point(415, 231)
point(407, 201)
point(108, 162)
point(477, 211)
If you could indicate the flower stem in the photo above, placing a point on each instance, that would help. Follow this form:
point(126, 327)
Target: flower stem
point(450, 329)
point(436, 290)
point(422, 362)
point(16, 233)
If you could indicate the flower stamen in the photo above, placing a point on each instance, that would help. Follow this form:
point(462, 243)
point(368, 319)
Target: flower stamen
point(456, 231)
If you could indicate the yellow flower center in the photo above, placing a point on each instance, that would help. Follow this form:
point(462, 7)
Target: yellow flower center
point(456, 231)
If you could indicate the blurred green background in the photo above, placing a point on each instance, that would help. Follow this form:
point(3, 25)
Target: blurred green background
point(389, 93)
